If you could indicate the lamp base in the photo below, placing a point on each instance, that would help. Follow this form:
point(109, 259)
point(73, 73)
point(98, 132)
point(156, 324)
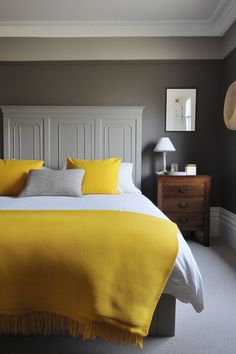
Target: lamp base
point(162, 172)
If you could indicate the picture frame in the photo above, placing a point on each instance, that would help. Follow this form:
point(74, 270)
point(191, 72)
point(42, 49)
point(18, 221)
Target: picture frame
point(180, 109)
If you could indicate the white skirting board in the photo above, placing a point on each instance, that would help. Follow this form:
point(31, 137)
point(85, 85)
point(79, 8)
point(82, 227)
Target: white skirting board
point(223, 225)
point(215, 221)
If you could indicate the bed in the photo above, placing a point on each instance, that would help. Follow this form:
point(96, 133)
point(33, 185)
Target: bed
point(52, 133)
point(185, 282)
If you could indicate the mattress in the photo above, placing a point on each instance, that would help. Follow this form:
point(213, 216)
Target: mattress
point(185, 282)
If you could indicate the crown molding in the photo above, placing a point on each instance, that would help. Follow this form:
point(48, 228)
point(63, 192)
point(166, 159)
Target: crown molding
point(107, 29)
point(216, 25)
point(224, 16)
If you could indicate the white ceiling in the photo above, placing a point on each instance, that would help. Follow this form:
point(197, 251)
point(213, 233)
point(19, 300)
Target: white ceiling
point(92, 18)
point(73, 10)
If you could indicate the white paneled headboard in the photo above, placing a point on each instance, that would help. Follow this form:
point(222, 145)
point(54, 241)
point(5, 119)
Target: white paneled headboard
point(54, 133)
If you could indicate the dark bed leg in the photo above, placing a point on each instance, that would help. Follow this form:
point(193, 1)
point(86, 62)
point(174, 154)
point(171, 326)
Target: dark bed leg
point(163, 321)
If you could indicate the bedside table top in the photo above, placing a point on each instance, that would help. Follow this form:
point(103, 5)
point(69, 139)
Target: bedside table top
point(184, 176)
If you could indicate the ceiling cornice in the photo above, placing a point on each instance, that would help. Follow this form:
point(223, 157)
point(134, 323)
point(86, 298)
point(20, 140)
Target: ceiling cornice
point(219, 22)
point(224, 16)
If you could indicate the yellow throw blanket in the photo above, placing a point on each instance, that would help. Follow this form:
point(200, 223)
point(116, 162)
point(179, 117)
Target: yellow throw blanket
point(93, 273)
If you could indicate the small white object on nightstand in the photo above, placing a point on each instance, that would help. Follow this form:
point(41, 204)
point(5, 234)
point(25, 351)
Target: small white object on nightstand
point(177, 173)
point(191, 169)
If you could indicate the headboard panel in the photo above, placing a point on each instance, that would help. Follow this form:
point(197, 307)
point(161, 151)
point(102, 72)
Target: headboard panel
point(54, 133)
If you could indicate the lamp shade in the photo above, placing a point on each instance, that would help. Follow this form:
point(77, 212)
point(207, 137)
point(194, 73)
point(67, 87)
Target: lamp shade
point(164, 144)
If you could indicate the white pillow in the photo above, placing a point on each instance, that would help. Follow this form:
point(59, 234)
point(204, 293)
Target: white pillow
point(125, 179)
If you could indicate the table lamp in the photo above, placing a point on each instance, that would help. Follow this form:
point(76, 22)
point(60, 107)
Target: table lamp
point(163, 145)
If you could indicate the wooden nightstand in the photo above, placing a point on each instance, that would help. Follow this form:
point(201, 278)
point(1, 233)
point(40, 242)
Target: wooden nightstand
point(186, 201)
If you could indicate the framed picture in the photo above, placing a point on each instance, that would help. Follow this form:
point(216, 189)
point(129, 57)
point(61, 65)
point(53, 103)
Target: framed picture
point(181, 109)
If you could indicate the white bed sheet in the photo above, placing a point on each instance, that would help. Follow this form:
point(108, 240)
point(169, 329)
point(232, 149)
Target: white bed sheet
point(185, 282)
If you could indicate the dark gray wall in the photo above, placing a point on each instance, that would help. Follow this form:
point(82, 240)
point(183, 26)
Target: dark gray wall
point(130, 83)
point(228, 143)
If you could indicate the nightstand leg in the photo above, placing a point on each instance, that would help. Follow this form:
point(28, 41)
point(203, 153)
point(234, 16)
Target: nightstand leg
point(192, 234)
point(206, 239)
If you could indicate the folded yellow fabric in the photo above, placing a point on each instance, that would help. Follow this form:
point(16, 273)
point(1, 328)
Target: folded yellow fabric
point(101, 176)
point(13, 175)
point(94, 273)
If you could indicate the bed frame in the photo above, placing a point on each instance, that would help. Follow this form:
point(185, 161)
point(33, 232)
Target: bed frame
point(53, 133)
point(163, 324)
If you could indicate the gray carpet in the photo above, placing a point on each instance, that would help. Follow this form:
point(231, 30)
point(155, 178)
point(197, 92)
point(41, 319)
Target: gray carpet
point(211, 332)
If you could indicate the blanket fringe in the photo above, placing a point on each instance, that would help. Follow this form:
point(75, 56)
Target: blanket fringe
point(48, 323)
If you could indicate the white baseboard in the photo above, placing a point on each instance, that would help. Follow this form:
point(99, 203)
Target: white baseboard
point(215, 221)
point(223, 225)
point(228, 227)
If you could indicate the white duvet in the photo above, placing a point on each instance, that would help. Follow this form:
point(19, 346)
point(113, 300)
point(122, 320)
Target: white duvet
point(185, 282)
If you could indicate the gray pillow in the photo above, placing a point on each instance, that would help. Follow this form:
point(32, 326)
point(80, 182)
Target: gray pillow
point(49, 182)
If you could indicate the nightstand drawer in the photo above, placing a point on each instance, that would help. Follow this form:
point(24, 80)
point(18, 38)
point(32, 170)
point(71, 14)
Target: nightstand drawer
point(183, 204)
point(186, 219)
point(188, 189)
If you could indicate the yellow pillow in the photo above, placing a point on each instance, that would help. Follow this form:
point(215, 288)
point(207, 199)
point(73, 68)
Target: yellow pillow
point(13, 174)
point(101, 176)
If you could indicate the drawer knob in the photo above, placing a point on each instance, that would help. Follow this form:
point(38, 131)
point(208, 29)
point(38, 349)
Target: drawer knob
point(183, 189)
point(183, 205)
point(183, 220)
